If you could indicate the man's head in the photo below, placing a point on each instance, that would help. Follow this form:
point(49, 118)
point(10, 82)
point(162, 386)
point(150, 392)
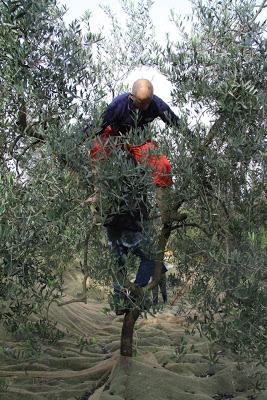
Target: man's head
point(142, 94)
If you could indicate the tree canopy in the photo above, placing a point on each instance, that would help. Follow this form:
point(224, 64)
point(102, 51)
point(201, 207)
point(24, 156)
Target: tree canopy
point(55, 79)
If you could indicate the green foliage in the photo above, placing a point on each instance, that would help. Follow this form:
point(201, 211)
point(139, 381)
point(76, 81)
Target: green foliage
point(129, 44)
point(42, 66)
point(54, 79)
point(3, 385)
point(180, 349)
point(85, 343)
point(220, 66)
point(28, 348)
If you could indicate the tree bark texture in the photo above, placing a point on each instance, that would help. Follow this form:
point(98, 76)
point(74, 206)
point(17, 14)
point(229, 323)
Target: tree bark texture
point(127, 332)
point(131, 317)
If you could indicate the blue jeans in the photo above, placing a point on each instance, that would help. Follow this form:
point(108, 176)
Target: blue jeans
point(123, 241)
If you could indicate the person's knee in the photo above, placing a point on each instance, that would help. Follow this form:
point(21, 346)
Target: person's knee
point(145, 272)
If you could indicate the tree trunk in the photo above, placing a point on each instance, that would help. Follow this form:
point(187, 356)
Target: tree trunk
point(131, 317)
point(162, 242)
point(127, 332)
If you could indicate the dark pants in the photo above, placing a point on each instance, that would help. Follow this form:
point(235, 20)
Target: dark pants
point(122, 246)
point(163, 290)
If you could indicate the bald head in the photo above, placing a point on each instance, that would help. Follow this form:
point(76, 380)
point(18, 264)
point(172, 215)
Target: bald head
point(142, 93)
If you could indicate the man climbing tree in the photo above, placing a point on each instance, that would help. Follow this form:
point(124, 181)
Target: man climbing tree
point(132, 112)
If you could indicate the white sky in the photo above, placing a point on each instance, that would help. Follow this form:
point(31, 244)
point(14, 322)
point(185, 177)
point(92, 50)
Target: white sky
point(160, 13)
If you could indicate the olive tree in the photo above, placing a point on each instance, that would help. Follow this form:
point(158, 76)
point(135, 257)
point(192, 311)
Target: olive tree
point(218, 72)
point(54, 79)
point(49, 84)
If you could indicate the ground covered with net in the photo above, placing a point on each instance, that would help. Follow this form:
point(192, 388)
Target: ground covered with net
point(170, 361)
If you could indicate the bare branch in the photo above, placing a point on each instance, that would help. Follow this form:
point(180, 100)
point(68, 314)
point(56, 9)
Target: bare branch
point(191, 225)
point(180, 292)
point(212, 132)
point(28, 147)
point(78, 300)
point(261, 7)
point(13, 145)
point(162, 242)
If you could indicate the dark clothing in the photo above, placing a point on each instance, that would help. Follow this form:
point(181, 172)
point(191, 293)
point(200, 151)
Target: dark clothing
point(124, 227)
point(119, 117)
point(124, 230)
point(130, 216)
point(122, 115)
point(124, 241)
point(163, 290)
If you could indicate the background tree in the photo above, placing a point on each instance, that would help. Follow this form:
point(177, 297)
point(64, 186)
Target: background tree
point(53, 81)
point(128, 43)
point(49, 80)
point(219, 69)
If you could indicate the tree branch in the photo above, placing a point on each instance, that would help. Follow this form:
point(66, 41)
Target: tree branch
point(162, 242)
point(180, 292)
point(261, 7)
point(28, 147)
point(212, 132)
point(191, 225)
point(13, 145)
point(78, 300)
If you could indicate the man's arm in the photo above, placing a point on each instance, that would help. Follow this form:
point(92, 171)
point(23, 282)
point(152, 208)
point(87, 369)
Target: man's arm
point(108, 116)
point(166, 114)
point(169, 117)
point(112, 114)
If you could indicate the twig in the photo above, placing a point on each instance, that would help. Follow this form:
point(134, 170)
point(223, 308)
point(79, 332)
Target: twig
point(28, 147)
point(182, 289)
point(2, 1)
point(222, 203)
point(261, 7)
point(193, 225)
point(78, 300)
point(13, 145)
point(212, 132)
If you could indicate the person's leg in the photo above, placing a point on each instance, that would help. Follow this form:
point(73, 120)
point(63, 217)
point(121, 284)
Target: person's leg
point(145, 270)
point(163, 288)
point(119, 252)
point(155, 295)
point(121, 301)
